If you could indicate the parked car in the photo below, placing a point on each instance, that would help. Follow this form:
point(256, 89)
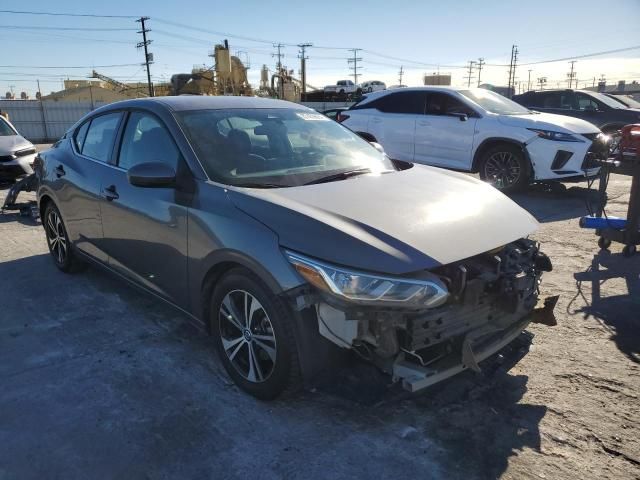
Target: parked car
point(342, 87)
point(477, 130)
point(372, 86)
point(626, 100)
point(334, 113)
point(606, 113)
point(289, 238)
point(16, 153)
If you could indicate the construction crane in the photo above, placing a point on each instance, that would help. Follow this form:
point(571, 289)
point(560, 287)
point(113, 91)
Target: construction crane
point(118, 86)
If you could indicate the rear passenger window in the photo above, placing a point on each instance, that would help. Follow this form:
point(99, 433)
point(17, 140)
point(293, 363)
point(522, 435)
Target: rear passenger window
point(402, 102)
point(98, 142)
point(80, 135)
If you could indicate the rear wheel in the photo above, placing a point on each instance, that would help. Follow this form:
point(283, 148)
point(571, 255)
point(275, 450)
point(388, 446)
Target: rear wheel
point(505, 167)
point(58, 241)
point(253, 331)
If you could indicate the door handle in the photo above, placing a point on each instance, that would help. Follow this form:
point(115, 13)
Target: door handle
point(60, 171)
point(110, 193)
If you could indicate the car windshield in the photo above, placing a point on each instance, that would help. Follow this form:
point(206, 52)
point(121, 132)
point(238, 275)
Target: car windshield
point(625, 100)
point(276, 147)
point(610, 102)
point(494, 103)
point(5, 129)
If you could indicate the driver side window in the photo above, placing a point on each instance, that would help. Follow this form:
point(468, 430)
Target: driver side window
point(585, 102)
point(146, 140)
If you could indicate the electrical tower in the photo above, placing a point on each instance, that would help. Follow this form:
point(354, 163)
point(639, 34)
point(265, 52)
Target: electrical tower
point(303, 65)
point(148, 57)
point(512, 70)
point(572, 75)
point(279, 55)
point(354, 63)
point(400, 73)
point(470, 75)
point(481, 63)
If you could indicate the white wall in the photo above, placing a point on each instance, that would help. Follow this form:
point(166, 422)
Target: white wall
point(45, 121)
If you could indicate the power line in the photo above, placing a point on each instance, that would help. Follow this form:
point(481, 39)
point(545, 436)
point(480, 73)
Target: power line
point(83, 29)
point(53, 14)
point(74, 66)
point(586, 55)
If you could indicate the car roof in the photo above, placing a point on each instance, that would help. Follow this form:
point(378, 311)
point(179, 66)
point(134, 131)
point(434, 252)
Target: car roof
point(202, 102)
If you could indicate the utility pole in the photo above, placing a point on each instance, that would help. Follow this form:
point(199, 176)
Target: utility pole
point(148, 57)
point(481, 63)
point(571, 75)
point(512, 70)
point(470, 76)
point(280, 55)
point(529, 81)
point(44, 120)
point(354, 63)
point(303, 65)
point(542, 81)
point(400, 73)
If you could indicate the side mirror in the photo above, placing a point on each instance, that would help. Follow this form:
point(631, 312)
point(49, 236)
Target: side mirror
point(463, 117)
point(152, 175)
point(377, 146)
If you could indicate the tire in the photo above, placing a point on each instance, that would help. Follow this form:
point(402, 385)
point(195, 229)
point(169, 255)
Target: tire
point(505, 167)
point(268, 338)
point(58, 242)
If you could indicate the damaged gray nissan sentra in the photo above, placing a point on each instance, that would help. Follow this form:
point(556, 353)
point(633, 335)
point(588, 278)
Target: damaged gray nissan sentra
point(290, 238)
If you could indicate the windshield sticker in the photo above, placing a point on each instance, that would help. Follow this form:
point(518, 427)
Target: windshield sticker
point(312, 116)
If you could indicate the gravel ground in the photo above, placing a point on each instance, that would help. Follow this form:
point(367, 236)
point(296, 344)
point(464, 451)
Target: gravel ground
point(101, 381)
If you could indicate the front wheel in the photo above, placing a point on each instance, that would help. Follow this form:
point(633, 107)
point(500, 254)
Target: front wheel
point(253, 331)
point(506, 168)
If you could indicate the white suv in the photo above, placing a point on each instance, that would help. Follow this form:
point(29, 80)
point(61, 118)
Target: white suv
point(479, 131)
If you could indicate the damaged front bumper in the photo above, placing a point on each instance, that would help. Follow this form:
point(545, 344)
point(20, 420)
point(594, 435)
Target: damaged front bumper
point(493, 298)
point(474, 348)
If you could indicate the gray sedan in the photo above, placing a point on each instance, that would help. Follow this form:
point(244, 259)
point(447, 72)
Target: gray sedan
point(290, 239)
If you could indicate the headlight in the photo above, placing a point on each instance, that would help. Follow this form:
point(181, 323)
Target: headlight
point(557, 136)
point(361, 287)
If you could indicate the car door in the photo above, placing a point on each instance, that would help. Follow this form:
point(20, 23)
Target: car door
point(445, 133)
point(145, 229)
point(393, 122)
point(78, 171)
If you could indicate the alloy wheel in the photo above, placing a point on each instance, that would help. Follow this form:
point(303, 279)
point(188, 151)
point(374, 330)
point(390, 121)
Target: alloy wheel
point(247, 336)
point(503, 169)
point(56, 237)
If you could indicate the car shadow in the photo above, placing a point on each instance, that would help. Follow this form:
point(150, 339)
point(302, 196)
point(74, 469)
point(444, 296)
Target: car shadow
point(618, 313)
point(551, 202)
point(473, 422)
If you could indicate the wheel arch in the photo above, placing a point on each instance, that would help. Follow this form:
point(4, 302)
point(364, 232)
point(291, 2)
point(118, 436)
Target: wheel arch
point(44, 200)
point(219, 265)
point(492, 142)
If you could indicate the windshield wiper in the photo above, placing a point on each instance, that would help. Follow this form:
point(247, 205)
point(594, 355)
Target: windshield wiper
point(339, 176)
point(259, 185)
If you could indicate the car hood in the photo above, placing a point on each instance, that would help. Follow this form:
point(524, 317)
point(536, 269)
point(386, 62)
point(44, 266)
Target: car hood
point(549, 121)
point(11, 143)
point(393, 223)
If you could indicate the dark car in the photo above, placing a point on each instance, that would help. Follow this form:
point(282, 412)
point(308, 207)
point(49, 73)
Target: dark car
point(289, 237)
point(605, 113)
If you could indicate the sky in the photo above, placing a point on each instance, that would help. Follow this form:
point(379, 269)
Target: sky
point(421, 36)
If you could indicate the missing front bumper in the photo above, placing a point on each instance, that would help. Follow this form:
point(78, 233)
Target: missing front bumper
point(476, 347)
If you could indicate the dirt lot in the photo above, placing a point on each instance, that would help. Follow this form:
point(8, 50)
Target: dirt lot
point(101, 381)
